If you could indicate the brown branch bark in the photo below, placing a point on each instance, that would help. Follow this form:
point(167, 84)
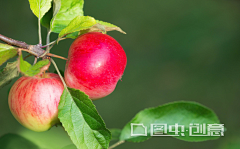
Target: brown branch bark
point(35, 50)
point(14, 42)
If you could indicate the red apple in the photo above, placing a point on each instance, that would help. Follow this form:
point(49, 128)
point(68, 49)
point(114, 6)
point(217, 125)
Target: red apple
point(95, 63)
point(34, 101)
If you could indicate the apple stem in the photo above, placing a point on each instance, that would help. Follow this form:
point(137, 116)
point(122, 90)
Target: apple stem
point(55, 65)
point(44, 74)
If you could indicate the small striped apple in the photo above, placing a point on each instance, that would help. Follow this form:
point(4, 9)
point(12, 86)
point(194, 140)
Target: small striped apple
point(34, 101)
point(96, 63)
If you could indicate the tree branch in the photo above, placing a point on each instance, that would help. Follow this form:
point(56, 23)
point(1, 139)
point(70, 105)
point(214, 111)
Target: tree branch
point(35, 50)
point(14, 42)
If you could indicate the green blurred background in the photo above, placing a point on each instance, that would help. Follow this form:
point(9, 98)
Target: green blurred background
point(177, 50)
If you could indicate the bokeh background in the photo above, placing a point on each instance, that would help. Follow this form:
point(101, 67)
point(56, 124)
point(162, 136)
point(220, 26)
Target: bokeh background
point(177, 50)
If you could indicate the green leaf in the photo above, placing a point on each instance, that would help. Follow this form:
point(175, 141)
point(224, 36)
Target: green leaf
point(6, 52)
point(110, 27)
point(14, 141)
point(40, 7)
point(106, 23)
point(105, 27)
point(77, 24)
point(46, 19)
point(73, 35)
point(71, 146)
point(81, 120)
point(29, 70)
point(8, 73)
point(56, 7)
point(182, 113)
point(64, 12)
point(115, 133)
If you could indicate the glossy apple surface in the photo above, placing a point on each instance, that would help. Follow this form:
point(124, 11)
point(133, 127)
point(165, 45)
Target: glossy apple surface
point(34, 101)
point(95, 64)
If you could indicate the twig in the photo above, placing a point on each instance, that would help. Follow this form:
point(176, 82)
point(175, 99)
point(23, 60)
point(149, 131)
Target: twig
point(27, 56)
point(116, 144)
point(14, 42)
point(48, 40)
point(35, 60)
point(35, 50)
point(52, 44)
point(45, 46)
point(57, 56)
point(48, 54)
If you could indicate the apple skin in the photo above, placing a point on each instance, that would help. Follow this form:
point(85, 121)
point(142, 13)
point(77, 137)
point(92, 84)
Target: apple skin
point(95, 63)
point(34, 101)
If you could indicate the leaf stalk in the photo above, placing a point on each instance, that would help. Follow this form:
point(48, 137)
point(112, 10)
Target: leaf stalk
point(116, 144)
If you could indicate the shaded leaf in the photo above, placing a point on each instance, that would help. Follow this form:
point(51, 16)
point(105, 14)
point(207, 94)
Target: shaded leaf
point(46, 19)
point(77, 24)
point(40, 7)
point(14, 141)
point(6, 52)
point(81, 120)
point(69, 9)
point(8, 73)
point(73, 35)
point(182, 113)
point(29, 70)
point(56, 7)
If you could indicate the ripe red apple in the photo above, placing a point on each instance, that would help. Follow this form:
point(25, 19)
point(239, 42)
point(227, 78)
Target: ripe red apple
point(95, 63)
point(34, 101)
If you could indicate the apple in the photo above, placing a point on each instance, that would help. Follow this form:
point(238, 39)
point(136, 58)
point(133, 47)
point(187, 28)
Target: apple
point(34, 101)
point(95, 63)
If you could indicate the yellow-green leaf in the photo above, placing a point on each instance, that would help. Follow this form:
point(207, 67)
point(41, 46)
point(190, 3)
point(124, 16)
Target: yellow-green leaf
point(64, 12)
point(29, 70)
point(40, 7)
point(81, 120)
point(77, 24)
point(6, 52)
